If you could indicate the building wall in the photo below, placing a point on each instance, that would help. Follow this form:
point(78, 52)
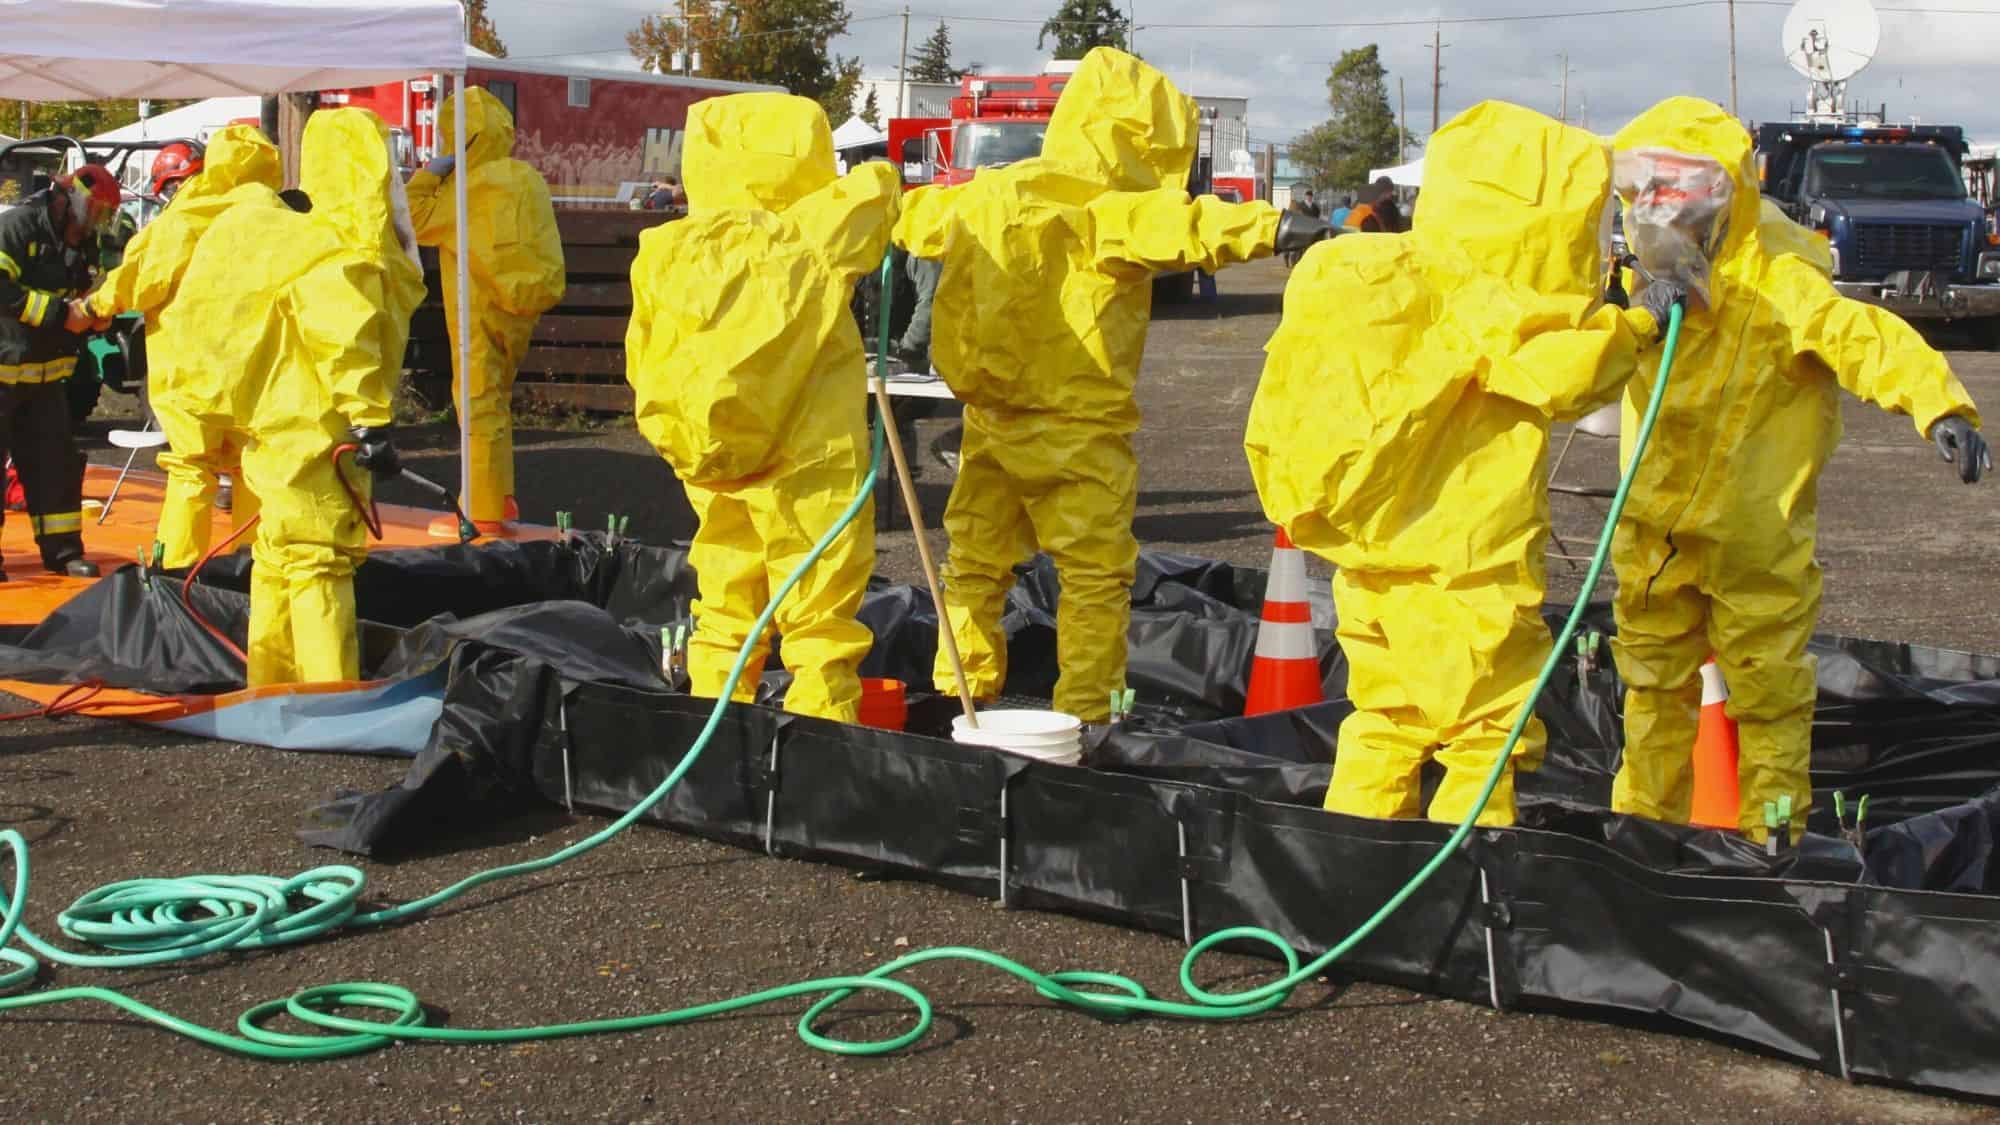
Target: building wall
point(920, 99)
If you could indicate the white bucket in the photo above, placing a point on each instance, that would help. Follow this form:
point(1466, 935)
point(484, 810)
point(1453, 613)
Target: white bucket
point(1045, 736)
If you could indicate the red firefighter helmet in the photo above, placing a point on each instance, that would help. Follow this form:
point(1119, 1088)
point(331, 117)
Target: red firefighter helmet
point(174, 164)
point(93, 195)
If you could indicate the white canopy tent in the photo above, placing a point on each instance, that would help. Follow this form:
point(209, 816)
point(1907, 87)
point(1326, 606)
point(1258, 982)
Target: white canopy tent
point(195, 121)
point(68, 50)
point(856, 133)
point(1409, 175)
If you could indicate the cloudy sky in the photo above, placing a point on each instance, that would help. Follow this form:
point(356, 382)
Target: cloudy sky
point(1935, 61)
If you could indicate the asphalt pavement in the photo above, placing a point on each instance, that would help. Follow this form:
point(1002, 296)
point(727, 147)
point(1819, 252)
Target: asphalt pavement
point(658, 920)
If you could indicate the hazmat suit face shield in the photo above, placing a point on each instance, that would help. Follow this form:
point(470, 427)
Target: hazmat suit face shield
point(1676, 213)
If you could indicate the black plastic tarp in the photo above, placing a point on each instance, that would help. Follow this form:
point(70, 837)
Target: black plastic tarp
point(1881, 961)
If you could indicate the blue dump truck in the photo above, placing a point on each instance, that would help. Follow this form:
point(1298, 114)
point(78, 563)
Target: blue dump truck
point(1893, 203)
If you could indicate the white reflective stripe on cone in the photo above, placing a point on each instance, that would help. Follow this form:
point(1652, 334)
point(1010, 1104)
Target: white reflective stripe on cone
point(1288, 576)
point(1713, 690)
point(1286, 641)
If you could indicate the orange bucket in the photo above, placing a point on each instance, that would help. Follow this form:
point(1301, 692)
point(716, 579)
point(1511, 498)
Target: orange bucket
point(883, 704)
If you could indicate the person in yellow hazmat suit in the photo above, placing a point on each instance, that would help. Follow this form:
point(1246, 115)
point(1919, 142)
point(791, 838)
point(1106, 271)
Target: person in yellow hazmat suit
point(300, 354)
point(1715, 553)
point(751, 382)
point(1039, 326)
point(1400, 430)
point(517, 275)
point(239, 165)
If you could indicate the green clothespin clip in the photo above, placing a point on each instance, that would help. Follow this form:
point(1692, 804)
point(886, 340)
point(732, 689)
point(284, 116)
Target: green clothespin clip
point(624, 525)
point(159, 554)
point(1840, 807)
point(562, 522)
point(1114, 704)
point(1861, 815)
point(145, 572)
point(1131, 697)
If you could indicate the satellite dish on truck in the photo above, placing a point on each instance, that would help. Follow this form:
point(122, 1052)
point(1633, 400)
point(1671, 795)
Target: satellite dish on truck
point(1829, 42)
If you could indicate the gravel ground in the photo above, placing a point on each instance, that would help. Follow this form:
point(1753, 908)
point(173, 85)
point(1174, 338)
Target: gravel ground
point(659, 920)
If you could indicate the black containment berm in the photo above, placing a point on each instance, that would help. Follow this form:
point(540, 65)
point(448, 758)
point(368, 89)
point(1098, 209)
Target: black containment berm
point(1876, 959)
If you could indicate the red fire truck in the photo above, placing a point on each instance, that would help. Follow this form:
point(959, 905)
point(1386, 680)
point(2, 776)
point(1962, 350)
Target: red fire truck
point(599, 137)
point(995, 120)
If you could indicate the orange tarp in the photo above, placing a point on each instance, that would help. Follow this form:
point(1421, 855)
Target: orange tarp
point(29, 594)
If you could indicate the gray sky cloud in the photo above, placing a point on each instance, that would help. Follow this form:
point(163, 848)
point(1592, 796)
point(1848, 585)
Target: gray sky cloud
point(1934, 63)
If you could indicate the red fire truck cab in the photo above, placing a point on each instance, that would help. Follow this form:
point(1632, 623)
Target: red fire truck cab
point(995, 120)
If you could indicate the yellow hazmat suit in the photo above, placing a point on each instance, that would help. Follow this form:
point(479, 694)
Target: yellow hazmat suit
point(1040, 324)
point(239, 165)
point(1715, 553)
point(517, 275)
point(751, 382)
point(300, 322)
point(1401, 431)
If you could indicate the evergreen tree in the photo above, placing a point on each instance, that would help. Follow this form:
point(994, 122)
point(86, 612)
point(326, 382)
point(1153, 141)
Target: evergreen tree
point(931, 61)
point(1080, 25)
point(1361, 134)
point(871, 110)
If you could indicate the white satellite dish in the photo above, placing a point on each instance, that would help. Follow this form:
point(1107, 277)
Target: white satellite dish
point(1829, 42)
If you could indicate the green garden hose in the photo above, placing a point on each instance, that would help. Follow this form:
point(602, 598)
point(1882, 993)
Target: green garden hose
point(156, 921)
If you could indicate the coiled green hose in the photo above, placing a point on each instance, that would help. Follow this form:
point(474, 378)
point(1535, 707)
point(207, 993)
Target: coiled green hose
point(155, 921)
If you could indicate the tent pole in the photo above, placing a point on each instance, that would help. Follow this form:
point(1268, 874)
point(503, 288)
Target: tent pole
point(465, 326)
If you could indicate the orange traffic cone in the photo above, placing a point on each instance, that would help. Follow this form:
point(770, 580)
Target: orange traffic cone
point(1715, 793)
point(1285, 673)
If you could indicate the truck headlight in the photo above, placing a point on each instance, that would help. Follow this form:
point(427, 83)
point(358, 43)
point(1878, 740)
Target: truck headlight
point(1989, 267)
point(1835, 252)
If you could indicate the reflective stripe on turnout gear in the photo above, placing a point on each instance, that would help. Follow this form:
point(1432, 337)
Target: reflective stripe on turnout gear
point(59, 523)
point(36, 309)
point(10, 267)
point(54, 371)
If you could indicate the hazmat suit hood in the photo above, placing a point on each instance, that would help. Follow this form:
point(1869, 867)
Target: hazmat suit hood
point(236, 155)
point(489, 128)
point(1526, 198)
point(1124, 123)
point(759, 152)
point(345, 167)
point(1694, 127)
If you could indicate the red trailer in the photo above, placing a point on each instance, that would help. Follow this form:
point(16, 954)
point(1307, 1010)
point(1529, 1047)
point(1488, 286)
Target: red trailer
point(599, 137)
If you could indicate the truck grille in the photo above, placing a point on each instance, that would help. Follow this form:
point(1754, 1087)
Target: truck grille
point(1887, 247)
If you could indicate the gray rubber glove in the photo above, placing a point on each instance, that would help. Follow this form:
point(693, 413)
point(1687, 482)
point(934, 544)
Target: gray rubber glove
point(1659, 298)
point(1959, 444)
point(1298, 232)
point(378, 451)
point(441, 166)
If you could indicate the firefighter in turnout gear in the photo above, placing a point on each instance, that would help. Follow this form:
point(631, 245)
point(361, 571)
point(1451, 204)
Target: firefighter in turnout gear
point(45, 249)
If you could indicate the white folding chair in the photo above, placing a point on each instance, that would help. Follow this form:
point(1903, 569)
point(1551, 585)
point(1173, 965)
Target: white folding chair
point(1602, 423)
point(145, 437)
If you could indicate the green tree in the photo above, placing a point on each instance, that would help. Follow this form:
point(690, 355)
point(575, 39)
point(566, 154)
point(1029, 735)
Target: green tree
point(1080, 25)
point(1361, 133)
point(931, 61)
point(871, 110)
point(482, 33)
point(72, 119)
point(782, 42)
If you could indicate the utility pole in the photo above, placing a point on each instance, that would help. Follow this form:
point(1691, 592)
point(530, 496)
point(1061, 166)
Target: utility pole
point(1563, 116)
point(1437, 71)
point(1132, 29)
point(902, 64)
point(1402, 123)
point(1732, 60)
